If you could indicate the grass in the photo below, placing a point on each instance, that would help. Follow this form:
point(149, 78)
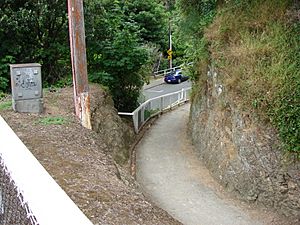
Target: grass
point(52, 121)
point(256, 48)
point(5, 105)
point(2, 95)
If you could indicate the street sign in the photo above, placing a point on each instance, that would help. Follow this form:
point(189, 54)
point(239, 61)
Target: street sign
point(169, 52)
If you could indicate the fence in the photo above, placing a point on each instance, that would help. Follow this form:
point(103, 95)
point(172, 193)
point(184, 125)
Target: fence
point(166, 71)
point(28, 194)
point(155, 106)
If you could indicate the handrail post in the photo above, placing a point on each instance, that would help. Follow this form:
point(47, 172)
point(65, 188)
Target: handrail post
point(143, 114)
point(161, 104)
point(139, 113)
point(135, 122)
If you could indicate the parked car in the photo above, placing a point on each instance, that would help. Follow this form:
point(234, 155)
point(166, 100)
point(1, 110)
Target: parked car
point(175, 77)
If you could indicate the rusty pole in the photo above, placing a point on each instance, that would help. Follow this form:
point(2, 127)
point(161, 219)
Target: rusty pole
point(78, 59)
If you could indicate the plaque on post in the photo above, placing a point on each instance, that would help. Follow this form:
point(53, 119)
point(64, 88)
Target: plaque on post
point(26, 86)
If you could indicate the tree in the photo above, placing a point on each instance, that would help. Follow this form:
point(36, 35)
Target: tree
point(117, 33)
point(151, 18)
point(37, 32)
point(122, 59)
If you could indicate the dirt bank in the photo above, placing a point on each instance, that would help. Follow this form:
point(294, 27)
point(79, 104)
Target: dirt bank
point(81, 161)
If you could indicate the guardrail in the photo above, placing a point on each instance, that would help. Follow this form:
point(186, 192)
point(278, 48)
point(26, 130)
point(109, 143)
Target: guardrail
point(166, 71)
point(155, 106)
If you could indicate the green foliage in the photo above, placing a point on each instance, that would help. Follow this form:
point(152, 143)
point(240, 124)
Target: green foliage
point(123, 59)
point(52, 121)
point(150, 17)
point(37, 32)
point(118, 34)
point(63, 82)
point(255, 46)
point(149, 113)
point(118, 56)
point(2, 95)
point(101, 77)
point(195, 17)
point(285, 105)
point(4, 72)
point(5, 105)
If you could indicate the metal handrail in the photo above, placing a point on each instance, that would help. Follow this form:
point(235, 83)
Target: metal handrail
point(155, 106)
point(166, 71)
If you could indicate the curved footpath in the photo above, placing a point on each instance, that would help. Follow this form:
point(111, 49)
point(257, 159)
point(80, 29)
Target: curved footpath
point(169, 172)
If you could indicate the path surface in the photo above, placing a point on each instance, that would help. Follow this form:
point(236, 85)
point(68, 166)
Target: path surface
point(171, 175)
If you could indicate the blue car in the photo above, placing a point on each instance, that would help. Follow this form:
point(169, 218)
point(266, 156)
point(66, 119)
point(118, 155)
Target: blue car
point(175, 77)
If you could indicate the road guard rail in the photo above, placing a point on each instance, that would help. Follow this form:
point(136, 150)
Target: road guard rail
point(167, 71)
point(155, 106)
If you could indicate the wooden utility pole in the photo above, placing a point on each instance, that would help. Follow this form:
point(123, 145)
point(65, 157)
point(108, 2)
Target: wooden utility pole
point(170, 52)
point(78, 59)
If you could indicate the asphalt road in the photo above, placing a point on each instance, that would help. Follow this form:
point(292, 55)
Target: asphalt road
point(169, 172)
point(162, 88)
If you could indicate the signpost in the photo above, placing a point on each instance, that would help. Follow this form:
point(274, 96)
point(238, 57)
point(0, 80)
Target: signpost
point(170, 46)
point(170, 55)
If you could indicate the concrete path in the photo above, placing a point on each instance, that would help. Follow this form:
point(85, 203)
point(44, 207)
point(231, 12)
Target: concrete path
point(171, 175)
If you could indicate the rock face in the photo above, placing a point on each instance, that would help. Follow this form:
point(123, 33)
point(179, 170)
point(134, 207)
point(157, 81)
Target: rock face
point(242, 154)
point(106, 122)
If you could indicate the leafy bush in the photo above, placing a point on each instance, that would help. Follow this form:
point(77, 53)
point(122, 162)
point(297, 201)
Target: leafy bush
point(116, 35)
point(37, 32)
point(101, 78)
point(4, 72)
point(123, 59)
point(119, 54)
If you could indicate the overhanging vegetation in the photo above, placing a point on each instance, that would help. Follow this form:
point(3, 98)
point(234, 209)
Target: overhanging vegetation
point(255, 46)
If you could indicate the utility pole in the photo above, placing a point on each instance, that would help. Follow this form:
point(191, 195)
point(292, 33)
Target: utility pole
point(78, 59)
point(169, 8)
point(170, 46)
